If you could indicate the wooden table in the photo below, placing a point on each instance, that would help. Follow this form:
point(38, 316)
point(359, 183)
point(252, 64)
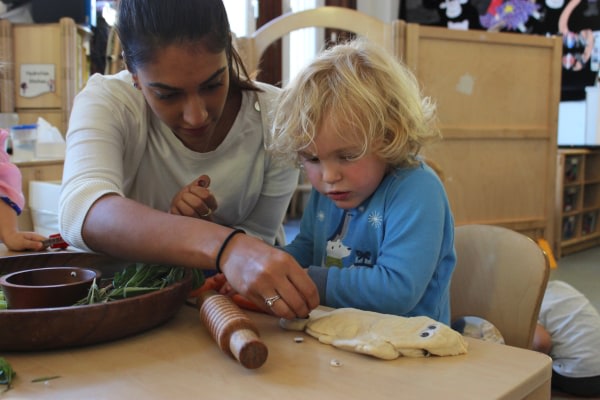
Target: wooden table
point(180, 360)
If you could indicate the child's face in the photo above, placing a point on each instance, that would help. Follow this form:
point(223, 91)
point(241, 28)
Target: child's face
point(333, 170)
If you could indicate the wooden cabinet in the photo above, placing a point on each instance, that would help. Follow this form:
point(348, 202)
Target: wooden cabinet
point(7, 98)
point(50, 170)
point(47, 65)
point(577, 200)
point(497, 95)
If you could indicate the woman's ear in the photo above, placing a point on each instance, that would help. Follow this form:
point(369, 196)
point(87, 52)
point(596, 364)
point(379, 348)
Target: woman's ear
point(136, 83)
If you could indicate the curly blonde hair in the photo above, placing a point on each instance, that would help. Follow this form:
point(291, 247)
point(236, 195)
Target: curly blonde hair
point(373, 99)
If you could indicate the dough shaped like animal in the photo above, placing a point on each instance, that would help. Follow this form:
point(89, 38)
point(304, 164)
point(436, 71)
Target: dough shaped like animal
point(384, 336)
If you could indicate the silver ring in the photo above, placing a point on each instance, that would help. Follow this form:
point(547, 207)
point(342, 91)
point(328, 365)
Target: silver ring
point(271, 300)
point(207, 213)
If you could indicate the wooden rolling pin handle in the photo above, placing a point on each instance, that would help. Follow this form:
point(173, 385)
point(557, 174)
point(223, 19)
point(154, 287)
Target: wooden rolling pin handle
point(231, 328)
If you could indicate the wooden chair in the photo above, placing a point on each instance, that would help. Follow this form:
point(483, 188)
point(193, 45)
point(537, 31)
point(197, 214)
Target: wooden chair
point(252, 47)
point(500, 276)
point(114, 57)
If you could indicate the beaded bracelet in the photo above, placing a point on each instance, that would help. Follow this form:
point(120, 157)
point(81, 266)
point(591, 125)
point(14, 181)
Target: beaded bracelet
point(227, 239)
point(11, 204)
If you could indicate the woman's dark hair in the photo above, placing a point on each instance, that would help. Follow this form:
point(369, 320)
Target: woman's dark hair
point(144, 26)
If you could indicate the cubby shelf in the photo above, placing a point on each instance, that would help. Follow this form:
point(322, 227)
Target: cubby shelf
point(577, 199)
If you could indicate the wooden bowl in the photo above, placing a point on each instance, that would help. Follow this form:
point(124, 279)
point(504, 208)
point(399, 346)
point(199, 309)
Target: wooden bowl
point(47, 287)
point(74, 326)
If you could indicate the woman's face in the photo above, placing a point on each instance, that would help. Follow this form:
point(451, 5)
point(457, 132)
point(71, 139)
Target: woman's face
point(187, 88)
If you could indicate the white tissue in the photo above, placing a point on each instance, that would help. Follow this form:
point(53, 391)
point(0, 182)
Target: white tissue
point(50, 142)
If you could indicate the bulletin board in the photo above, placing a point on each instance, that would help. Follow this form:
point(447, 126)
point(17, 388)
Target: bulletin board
point(577, 22)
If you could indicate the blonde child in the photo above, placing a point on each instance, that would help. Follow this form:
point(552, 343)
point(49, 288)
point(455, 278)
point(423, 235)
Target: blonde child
point(11, 204)
point(377, 232)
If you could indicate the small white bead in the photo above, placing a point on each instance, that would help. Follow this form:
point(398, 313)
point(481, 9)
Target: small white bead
point(335, 363)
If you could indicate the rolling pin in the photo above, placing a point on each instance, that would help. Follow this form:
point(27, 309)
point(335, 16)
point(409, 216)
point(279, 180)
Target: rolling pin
point(231, 328)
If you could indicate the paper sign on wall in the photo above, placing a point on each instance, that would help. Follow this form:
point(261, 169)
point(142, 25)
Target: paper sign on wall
point(37, 79)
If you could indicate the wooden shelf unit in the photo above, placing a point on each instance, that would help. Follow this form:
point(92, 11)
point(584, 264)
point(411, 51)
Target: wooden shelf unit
point(63, 46)
point(577, 200)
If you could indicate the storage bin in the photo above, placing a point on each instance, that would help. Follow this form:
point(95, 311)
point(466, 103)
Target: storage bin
point(43, 203)
point(24, 138)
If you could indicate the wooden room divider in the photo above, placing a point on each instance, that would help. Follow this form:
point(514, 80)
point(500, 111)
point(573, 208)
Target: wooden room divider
point(498, 96)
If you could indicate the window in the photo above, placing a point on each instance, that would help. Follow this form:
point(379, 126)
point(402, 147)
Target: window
point(243, 16)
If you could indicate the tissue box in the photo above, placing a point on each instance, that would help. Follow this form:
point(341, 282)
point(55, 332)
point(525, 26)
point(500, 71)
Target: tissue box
point(43, 203)
point(50, 143)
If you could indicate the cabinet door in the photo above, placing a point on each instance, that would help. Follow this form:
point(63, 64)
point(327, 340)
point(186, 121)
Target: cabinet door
point(36, 171)
point(497, 96)
point(38, 59)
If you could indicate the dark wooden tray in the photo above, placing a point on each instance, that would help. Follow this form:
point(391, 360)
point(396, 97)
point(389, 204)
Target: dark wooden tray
point(62, 327)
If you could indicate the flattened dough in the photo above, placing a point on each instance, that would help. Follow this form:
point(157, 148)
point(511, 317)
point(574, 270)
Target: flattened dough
point(385, 336)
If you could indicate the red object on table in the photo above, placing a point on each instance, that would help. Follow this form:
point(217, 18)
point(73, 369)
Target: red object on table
point(55, 241)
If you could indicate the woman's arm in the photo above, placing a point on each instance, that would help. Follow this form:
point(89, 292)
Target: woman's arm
point(254, 269)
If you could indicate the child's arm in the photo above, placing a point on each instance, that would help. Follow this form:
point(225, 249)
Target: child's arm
point(542, 341)
point(10, 234)
point(11, 204)
point(405, 242)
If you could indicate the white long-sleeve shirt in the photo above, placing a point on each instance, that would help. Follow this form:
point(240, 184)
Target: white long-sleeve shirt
point(116, 144)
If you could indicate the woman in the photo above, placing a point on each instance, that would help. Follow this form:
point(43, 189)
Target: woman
point(182, 115)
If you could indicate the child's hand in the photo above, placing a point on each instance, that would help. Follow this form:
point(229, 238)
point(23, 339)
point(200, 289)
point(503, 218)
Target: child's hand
point(195, 200)
point(219, 283)
point(19, 241)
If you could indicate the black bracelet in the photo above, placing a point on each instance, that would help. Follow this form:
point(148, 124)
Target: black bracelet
point(227, 239)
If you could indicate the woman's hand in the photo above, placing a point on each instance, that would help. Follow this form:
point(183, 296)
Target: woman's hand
point(261, 272)
point(195, 200)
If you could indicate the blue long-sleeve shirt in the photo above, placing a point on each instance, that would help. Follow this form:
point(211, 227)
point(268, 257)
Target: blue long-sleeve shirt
point(393, 254)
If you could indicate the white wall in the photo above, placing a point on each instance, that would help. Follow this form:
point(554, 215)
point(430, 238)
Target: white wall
point(571, 123)
point(592, 115)
point(578, 121)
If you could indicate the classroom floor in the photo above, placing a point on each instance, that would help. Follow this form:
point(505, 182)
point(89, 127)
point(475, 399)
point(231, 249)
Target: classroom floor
point(582, 271)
